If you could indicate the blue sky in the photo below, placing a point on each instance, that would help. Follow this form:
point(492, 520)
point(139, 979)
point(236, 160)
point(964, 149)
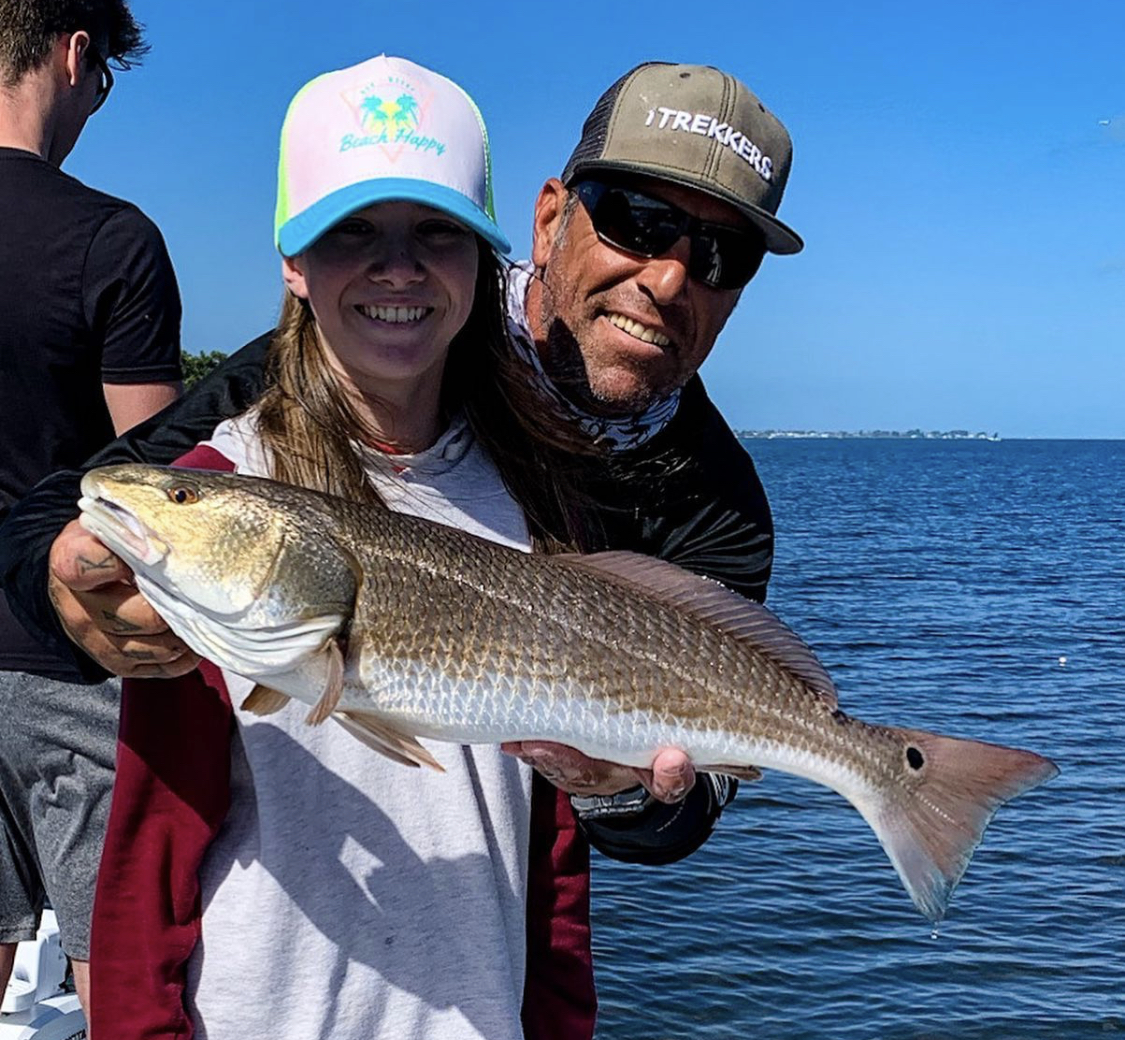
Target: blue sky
point(959, 180)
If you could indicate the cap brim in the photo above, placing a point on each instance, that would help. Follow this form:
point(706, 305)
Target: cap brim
point(301, 231)
point(780, 238)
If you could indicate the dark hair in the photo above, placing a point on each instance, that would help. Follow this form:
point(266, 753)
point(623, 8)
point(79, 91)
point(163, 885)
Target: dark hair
point(29, 29)
point(308, 423)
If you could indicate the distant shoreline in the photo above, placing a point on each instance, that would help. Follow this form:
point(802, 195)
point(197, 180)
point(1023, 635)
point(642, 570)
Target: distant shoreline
point(910, 435)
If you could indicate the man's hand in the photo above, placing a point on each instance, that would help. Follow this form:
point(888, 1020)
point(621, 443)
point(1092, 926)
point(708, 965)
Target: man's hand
point(101, 610)
point(669, 780)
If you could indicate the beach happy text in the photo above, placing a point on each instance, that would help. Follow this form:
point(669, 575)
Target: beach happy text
point(402, 136)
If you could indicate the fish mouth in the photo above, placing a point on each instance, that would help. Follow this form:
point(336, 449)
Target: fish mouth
point(121, 531)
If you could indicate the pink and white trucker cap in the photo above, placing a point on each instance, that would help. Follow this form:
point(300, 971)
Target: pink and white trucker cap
point(380, 131)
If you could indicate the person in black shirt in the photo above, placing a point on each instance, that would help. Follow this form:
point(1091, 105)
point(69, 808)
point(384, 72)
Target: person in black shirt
point(90, 314)
point(641, 250)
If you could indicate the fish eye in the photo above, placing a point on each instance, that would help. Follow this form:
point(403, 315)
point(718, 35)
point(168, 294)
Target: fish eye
point(183, 496)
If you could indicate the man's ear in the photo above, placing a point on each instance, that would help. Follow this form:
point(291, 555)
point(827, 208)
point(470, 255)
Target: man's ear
point(548, 219)
point(76, 46)
point(294, 276)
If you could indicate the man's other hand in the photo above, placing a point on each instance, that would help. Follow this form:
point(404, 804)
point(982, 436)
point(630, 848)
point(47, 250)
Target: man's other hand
point(669, 780)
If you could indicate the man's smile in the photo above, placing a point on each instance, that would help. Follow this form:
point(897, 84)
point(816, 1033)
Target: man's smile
point(637, 330)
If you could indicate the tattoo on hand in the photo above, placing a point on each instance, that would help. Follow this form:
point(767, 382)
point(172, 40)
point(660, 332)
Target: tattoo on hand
point(86, 565)
point(573, 780)
point(121, 627)
point(139, 655)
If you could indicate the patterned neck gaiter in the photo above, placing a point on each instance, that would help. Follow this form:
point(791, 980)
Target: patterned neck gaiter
point(620, 433)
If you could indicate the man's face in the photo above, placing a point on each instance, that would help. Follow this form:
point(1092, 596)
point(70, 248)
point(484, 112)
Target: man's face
point(622, 330)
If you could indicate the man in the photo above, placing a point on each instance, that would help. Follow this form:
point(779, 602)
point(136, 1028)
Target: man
point(90, 315)
point(641, 249)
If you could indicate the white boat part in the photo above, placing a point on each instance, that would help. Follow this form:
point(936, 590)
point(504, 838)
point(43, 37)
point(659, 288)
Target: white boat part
point(35, 1005)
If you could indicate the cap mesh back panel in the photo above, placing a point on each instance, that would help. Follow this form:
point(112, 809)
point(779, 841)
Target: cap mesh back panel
point(596, 127)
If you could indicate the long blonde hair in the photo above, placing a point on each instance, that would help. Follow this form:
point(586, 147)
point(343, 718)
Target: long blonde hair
point(309, 424)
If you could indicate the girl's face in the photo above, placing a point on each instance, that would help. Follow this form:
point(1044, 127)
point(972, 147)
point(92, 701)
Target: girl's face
point(389, 286)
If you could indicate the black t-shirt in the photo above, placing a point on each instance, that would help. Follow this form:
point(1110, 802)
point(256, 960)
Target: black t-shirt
point(87, 296)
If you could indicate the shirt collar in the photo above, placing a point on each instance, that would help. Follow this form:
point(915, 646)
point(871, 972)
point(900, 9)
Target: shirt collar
point(445, 453)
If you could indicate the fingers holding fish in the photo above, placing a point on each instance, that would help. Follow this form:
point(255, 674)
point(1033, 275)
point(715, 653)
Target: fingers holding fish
point(141, 666)
point(162, 655)
point(670, 779)
point(158, 656)
point(81, 562)
point(572, 771)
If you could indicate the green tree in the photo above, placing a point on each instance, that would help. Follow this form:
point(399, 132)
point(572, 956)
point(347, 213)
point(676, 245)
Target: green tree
point(196, 366)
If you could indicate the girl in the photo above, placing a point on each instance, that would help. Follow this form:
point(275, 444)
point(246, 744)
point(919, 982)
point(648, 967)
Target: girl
point(266, 877)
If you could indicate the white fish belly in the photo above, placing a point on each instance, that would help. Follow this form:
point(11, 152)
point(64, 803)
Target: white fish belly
point(493, 708)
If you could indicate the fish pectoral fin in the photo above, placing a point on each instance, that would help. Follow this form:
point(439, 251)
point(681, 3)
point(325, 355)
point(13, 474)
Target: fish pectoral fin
point(263, 701)
point(333, 686)
point(364, 737)
point(749, 774)
point(381, 736)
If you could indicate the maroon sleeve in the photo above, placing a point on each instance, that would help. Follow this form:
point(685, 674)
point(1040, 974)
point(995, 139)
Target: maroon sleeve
point(170, 797)
point(559, 1001)
point(203, 456)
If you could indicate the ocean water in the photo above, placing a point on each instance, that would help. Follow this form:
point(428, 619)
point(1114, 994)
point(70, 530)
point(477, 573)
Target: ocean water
point(970, 588)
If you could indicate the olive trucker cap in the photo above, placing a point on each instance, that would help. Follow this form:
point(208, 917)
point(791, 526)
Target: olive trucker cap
point(697, 126)
point(384, 130)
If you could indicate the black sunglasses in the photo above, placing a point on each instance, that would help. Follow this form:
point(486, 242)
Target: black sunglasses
point(721, 257)
point(106, 84)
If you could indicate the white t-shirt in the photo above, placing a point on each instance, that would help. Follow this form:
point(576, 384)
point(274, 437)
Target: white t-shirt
point(347, 896)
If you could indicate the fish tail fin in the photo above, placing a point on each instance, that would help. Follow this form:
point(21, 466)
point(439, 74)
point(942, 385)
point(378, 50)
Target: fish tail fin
point(931, 823)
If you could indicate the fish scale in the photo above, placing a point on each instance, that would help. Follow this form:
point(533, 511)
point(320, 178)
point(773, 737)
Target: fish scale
point(569, 636)
point(403, 628)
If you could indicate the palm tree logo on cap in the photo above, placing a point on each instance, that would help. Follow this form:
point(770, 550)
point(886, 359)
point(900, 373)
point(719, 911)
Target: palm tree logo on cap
point(390, 114)
point(387, 118)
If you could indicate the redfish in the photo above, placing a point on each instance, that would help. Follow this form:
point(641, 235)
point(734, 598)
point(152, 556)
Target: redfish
point(401, 628)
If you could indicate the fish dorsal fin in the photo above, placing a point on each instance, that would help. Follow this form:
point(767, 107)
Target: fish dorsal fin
point(709, 601)
point(263, 701)
point(381, 736)
point(333, 685)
